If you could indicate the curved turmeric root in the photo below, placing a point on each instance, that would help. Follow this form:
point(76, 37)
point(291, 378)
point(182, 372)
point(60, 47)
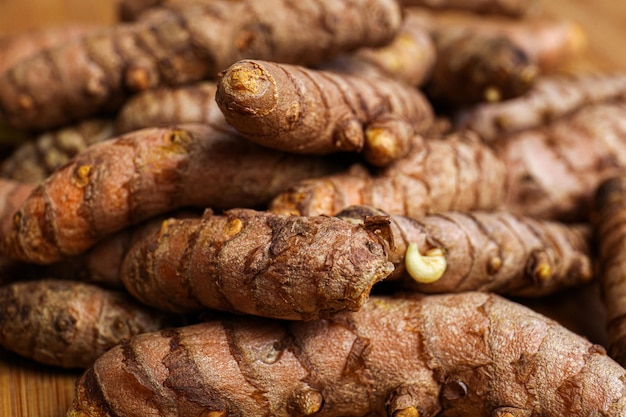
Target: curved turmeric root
point(610, 236)
point(169, 106)
point(183, 43)
point(34, 160)
point(551, 98)
point(300, 110)
point(258, 263)
point(482, 251)
point(123, 181)
point(470, 354)
point(456, 173)
point(70, 324)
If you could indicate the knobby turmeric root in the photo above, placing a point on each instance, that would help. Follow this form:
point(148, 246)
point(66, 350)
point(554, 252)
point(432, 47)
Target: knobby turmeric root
point(470, 354)
point(300, 110)
point(34, 160)
point(455, 173)
point(409, 58)
point(21, 45)
point(181, 43)
point(610, 237)
point(259, 263)
point(482, 251)
point(553, 171)
point(551, 97)
point(123, 181)
point(69, 324)
point(168, 106)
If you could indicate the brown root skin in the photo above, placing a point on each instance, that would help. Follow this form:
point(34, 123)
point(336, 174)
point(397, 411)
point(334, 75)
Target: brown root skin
point(459, 354)
point(485, 251)
point(181, 43)
point(472, 68)
point(70, 324)
point(167, 106)
point(409, 58)
point(455, 173)
point(35, 160)
point(258, 263)
point(552, 97)
point(301, 110)
point(553, 172)
point(610, 236)
point(123, 181)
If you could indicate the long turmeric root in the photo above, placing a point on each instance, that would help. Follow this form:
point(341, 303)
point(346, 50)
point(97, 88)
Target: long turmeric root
point(287, 267)
point(33, 161)
point(483, 251)
point(553, 172)
point(69, 324)
point(610, 236)
point(457, 173)
point(168, 106)
point(551, 98)
point(300, 110)
point(126, 180)
point(470, 354)
point(183, 43)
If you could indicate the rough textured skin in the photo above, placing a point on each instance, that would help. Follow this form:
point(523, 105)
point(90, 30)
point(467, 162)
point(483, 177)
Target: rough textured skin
point(455, 173)
point(125, 180)
point(409, 58)
point(35, 160)
point(470, 354)
point(259, 263)
point(167, 106)
point(548, 42)
point(610, 238)
point(182, 43)
point(475, 67)
point(553, 172)
point(488, 251)
point(504, 7)
point(19, 46)
point(69, 324)
point(551, 98)
point(300, 110)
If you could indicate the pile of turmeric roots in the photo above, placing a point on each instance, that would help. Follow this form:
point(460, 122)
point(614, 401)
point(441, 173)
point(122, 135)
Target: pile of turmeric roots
point(313, 208)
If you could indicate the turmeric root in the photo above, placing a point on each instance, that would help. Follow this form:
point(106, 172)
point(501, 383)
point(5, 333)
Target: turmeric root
point(168, 106)
point(183, 43)
point(69, 324)
point(295, 109)
point(259, 263)
point(474, 67)
point(409, 58)
point(553, 172)
point(482, 251)
point(608, 222)
point(33, 161)
point(456, 173)
point(550, 98)
point(19, 46)
point(123, 181)
point(470, 354)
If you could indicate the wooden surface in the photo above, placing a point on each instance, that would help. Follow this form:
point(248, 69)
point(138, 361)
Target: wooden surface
point(31, 390)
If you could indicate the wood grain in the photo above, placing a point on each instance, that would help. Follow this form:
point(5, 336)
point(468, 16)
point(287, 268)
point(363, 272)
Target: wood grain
point(31, 390)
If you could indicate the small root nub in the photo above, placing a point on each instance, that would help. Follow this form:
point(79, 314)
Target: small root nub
point(406, 412)
point(306, 402)
point(425, 268)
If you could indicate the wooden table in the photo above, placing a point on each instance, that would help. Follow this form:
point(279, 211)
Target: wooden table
point(31, 390)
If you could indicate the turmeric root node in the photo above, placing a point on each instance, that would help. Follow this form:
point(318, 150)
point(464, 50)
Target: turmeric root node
point(249, 89)
point(306, 402)
point(425, 268)
point(407, 412)
point(81, 176)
